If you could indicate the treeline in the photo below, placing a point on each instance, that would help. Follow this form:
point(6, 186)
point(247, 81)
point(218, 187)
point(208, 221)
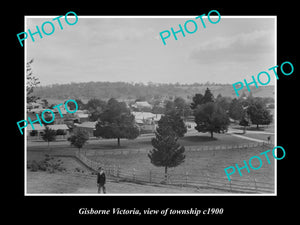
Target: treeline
point(123, 90)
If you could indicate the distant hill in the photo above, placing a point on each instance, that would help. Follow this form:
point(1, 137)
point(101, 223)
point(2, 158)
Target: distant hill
point(130, 91)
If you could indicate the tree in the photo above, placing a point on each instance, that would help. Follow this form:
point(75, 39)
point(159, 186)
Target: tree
point(166, 151)
point(169, 106)
point(95, 107)
point(244, 122)
point(197, 100)
point(182, 107)
point(72, 105)
point(224, 102)
point(172, 124)
point(31, 83)
point(210, 117)
point(79, 138)
point(116, 121)
point(236, 110)
point(208, 97)
point(49, 135)
point(258, 113)
point(200, 99)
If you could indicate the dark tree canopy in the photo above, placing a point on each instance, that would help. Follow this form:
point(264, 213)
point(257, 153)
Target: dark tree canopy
point(166, 151)
point(49, 135)
point(116, 121)
point(200, 99)
point(236, 110)
point(171, 124)
point(95, 107)
point(208, 97)
point(197, 100)
point(182, 107)
point(258, 113)
point(79, 138)
point(210, 117)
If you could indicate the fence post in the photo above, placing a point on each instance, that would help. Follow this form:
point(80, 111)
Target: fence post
point(133, 174)
point(115, 170)
point(207, 183)
point(230, 185)
point(118, 171)
point(150, 176)
point(255, 184)
point(186, 177)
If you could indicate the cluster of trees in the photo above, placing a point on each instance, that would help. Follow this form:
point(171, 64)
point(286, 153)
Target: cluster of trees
point(211, 115)
point(130, 91)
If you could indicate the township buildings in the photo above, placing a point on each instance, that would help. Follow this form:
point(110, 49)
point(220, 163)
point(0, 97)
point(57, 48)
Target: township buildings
point(64, 126)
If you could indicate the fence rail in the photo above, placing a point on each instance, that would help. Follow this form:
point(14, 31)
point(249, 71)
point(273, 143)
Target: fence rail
point(240, 185)
point(96, 152)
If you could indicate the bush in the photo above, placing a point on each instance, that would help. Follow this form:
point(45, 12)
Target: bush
point(33, 166)
point(49, 164)
point(79, 170)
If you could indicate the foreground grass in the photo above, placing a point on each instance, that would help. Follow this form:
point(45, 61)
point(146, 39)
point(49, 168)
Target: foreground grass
point(197, 163)
point(85, 183)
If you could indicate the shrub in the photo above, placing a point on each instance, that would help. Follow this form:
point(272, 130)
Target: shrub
point(49, 164)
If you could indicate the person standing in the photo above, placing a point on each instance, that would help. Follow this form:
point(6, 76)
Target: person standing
point(101, 179)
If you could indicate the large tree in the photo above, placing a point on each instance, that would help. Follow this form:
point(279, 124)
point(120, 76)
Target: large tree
point(166, 151)
point(258, 113)
point(200, 99)
point(49, 135)
point(224, 102)
point(116, 121)
point(171, 124)
point(197, 100)
point(79, 138)
point(244, 122)
point(236, 109)
point(95, 107)
point(182, 107)
point(207, 97)
point(210, 117)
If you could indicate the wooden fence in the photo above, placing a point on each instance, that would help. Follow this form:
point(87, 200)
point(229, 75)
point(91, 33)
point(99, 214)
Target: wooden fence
point(96, 152)
point(238, 185)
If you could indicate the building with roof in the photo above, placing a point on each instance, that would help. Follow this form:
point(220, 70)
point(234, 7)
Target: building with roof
point(141, 106)
point(88, 126)
point(147, 121)
point(35, 133)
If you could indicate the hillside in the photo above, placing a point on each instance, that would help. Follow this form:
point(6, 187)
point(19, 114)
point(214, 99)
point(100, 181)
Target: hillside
point(125, 91)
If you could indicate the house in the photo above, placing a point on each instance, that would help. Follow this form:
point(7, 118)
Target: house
point(141, 106)
point(35, 107)
point(147, 121)
point(88, 126)
point(82, 116)
point(62, 131)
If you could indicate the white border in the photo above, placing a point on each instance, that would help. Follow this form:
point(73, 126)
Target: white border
point(188, 194)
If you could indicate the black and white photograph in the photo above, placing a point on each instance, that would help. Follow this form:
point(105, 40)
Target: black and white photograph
point(150, 105)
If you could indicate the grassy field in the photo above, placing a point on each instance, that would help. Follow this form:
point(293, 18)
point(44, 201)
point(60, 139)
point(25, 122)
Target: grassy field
point(197, 163)
point(71, 182)
point(142, 142)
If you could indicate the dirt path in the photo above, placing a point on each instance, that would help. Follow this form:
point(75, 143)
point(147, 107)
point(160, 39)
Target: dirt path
point(248, 138)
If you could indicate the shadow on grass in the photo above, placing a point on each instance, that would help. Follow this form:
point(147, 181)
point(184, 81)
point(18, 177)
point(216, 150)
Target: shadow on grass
point(198, 139)
point(261, 128)
point(107, 147)
point(239, 133)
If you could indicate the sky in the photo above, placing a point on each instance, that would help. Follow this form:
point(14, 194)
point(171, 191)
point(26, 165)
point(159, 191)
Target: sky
point(131, 50)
